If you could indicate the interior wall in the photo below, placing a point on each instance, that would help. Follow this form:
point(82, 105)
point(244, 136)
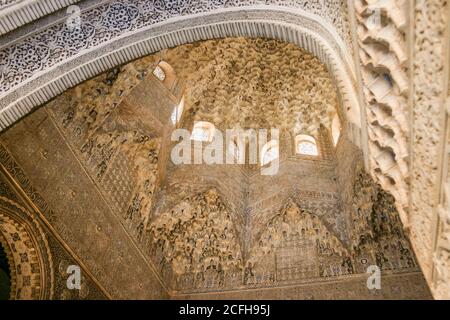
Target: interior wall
point(79, 215)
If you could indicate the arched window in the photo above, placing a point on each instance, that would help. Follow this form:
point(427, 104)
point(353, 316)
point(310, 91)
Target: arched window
point(177, 112)
point(203, 131)
point(335, 129)
point(269, 152)
point(166, 74)
point(159, 73)
point(306, 145)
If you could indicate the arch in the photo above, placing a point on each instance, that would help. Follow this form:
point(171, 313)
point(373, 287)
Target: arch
point(306, 145)
point(269, 152)
point(203, 131)
point(28, 252)
point(17, 12)
point(21, 94)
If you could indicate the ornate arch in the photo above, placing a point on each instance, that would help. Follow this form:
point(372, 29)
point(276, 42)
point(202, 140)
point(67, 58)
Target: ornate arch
point(28, 253)
point(62, 67)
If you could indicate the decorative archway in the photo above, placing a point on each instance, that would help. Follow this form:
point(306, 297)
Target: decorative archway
point(27, 251)
point(63, 67)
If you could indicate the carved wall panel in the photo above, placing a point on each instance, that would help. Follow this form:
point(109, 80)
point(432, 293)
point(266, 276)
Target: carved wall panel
point(294, 246)
point(211, 237)
point(409, 286)
point(430, 141)
point(38, 262)
point(16, 13)
point(123, 162)
point(82, 217)
point(196, 238)
point(378, 236)
point(441, 255)
point(440, 276)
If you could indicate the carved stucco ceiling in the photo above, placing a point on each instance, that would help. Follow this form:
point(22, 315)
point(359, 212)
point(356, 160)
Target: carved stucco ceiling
point(198, 241)
point(278, 85)
point(194, 241)
point(254, 83)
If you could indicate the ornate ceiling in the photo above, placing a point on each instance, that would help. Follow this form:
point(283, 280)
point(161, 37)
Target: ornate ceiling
point(216, 228)
point(388, 80)
point(254, 83)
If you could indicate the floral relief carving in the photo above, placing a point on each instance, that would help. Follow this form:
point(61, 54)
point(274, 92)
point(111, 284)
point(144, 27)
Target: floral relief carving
point(114, 18)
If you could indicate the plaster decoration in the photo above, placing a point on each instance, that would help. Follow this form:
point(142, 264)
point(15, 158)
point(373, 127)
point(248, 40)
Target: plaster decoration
point(261, 83)
point(296, 245)
point(333, 12)
point(29, 255)
point(91, 287)
point(122, 161)
point(378, 236)
point(328, 207)
point(144, 158)
point(128, 158)
point(6, 3)
point(383, 56)
point(83, 110)
point(409, 286)
point(14, 14)
point(429, 47)
point(178, 187)
point(98, 47)
point(159, 73)
point(19, 176)
point(210, 201)
point(440, 277)
point(61, 261)
point(196, 239)
point(441, 263)
point(441, 255)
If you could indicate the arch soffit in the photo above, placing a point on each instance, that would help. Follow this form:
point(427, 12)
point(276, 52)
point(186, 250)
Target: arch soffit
point(306, 30)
